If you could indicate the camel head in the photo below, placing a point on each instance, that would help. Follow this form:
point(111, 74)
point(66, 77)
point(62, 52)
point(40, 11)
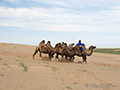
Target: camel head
point(58, 45)
point(72, 44)
point(92, 47)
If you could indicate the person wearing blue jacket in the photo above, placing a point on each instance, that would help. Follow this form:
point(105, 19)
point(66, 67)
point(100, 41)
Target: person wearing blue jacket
point(80, 44)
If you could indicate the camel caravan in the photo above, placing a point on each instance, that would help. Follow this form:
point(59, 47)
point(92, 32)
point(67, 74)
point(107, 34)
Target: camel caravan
point(64, 50)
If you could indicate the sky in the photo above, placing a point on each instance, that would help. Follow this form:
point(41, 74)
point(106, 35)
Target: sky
point(94, 22)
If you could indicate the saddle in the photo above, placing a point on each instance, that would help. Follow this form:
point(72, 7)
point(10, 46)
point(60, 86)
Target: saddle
point(43, 47)
point(61, 49)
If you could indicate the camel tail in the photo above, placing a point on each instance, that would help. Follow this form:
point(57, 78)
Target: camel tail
point(36, 50)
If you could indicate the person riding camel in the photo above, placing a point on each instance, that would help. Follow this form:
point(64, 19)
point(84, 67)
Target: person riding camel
point(80, 44)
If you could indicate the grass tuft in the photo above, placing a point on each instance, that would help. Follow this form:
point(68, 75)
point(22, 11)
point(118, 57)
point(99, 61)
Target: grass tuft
point(75, 83)
point(54, 68)
point(5, 64)
point(2, 75)
point(22, 64)
point(84, 70)
point(25, 67)
point(69, 87)
point(0, 58)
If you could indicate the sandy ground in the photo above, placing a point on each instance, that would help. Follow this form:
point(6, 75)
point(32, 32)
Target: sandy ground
point(102, 72)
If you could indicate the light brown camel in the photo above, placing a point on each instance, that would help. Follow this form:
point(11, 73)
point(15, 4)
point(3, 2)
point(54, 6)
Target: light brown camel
point(71, 53)
point(60, 52)
point(89, 51)
point(86, 52)
point(38, 47)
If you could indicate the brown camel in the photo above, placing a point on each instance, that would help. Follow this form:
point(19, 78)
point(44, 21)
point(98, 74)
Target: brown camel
point(60, 52)
point(89, 51)
point(71, 53)
point(38, 47)
point(86, 52)
point(52, 50)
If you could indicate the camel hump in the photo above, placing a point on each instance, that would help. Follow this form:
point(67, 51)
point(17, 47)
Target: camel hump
point(48, 42)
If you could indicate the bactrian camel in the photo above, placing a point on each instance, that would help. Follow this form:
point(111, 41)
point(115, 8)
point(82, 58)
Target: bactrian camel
point(71, 53)
point(38, 48)
point(86, 52)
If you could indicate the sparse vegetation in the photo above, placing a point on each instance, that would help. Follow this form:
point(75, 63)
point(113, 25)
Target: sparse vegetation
point(69, 87)
point(0, 59)
point(108, 50)
point(75, 83)
point(54, 68)
point(22, 64)
point(25, 67)
point(2, 75)
point(5, 64)
point(78, 69)
point(84, 70)
point(45, 62)
point(17, 59)
point(81, 70)
point(110, 84)
point(10, 67)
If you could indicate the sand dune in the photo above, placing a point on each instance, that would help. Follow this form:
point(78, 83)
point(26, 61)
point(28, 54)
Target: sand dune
point(102, 72)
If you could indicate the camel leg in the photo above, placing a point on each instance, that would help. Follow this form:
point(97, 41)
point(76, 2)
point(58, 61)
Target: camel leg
point(50, 56)
point(40, 53)
point(66, 57)
point(35, 53)
point(71, 59)
point(56, 57)
point(84, 58)
point(62, 56)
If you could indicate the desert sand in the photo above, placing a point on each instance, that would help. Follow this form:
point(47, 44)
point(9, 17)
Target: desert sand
point(102, 71)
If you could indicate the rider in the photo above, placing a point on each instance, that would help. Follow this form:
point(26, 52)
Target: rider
point(80, 44)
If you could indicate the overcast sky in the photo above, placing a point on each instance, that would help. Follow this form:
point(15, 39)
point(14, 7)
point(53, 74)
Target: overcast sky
point(95, 22)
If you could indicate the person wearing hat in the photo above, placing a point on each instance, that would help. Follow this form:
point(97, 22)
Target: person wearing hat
point(80, 44)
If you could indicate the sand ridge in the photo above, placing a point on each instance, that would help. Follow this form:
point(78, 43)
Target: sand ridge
point(102, 72)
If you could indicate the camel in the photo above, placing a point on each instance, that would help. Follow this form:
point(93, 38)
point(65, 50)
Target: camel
point(71, 53)
point(64, 45)
point(48, 49)
point(89, 51)
point(38, 47)
point(52, 50)
point(60, 52)
point(86, 52)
